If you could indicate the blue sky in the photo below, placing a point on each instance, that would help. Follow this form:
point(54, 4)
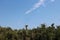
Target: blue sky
point(17, 13)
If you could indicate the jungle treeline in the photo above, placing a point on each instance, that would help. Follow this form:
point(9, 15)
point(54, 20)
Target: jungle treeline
point(42, 32)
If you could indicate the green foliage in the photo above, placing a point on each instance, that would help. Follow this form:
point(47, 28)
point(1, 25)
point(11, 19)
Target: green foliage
point(40, 33)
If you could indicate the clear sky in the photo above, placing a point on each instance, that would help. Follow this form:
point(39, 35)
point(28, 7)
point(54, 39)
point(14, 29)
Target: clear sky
point(17, 13)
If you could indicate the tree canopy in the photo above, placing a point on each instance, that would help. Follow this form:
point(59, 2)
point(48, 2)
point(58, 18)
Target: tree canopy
point(40, 33)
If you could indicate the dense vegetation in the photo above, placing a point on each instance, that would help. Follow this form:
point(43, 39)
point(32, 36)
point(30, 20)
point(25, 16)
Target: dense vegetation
point(40, 33)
